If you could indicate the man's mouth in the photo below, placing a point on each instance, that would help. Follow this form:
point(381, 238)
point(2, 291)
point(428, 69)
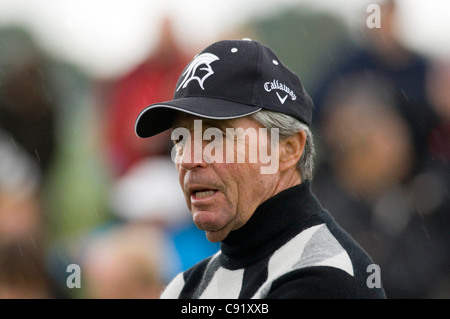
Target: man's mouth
point(203, 193)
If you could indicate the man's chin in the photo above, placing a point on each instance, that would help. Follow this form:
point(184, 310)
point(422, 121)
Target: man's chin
point(216, 224)
point(209, 220)
point(214, 233)
point(216, 236)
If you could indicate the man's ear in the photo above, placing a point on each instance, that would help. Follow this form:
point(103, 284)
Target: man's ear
point(291, 150)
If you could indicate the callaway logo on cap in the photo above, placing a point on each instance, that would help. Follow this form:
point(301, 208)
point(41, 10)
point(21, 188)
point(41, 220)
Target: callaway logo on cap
point(230, 79)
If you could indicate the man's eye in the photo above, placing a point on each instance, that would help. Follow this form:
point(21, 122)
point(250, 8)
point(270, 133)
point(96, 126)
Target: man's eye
point(179, 141)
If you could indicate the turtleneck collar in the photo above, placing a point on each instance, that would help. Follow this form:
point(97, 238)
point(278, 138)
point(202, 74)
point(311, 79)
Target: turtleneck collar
point(271, 225)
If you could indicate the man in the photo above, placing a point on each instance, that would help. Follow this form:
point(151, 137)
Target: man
point(233, 105)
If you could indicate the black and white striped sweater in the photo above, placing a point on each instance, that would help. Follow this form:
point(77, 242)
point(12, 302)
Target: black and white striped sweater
point(290, 248)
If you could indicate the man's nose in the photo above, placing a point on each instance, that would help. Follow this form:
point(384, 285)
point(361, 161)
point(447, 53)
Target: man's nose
point(192, 155)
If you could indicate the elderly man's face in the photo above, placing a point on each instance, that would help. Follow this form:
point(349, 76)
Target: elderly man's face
point(220, 194)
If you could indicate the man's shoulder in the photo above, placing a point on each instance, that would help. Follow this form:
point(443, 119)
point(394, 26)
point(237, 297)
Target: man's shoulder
point(323, 255)
point(323, 282)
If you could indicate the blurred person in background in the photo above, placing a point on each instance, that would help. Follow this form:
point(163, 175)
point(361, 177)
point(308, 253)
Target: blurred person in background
point(20, 181)
point(391, 191)
point(27, 110)
point(396, 209)
point(36, 93)
point(379, 51)
point(125, 262)
point(151, 81)
point(42, 108)
point(22, 226)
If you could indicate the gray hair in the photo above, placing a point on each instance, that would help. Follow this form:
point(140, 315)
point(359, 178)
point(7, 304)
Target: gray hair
point(289, 126)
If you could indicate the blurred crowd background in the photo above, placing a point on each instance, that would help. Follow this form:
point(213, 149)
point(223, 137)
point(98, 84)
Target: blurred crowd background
point(78, 187)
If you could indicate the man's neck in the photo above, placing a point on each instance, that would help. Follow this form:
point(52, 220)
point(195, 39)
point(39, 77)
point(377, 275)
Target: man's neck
point(287, 180)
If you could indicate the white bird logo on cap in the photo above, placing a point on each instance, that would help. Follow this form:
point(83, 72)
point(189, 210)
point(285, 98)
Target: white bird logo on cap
point(202, 59)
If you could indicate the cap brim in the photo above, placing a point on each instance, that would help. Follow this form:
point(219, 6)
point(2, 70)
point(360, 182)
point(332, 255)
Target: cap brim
point(158, 117)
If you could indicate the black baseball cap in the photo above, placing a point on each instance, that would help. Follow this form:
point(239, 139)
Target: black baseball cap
point(230, 79)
